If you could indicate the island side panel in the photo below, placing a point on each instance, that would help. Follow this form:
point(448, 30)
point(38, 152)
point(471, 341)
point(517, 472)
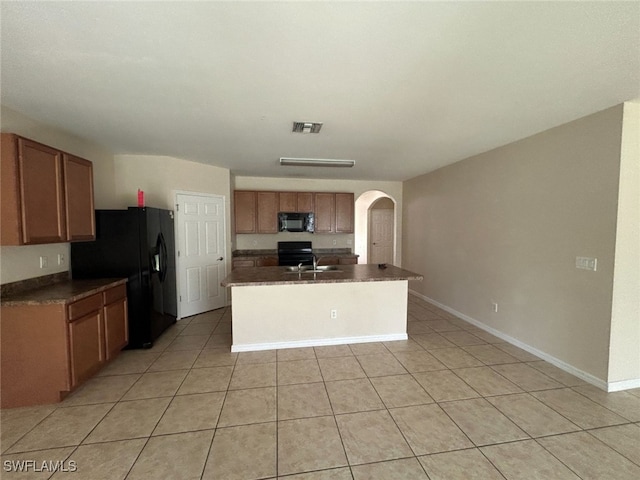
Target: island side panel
point(281, 316)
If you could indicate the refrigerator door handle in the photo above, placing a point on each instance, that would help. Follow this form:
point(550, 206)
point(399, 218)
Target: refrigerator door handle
point(156, 263)
point(163, 257)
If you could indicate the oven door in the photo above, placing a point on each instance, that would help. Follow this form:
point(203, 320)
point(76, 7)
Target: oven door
point(294, 259)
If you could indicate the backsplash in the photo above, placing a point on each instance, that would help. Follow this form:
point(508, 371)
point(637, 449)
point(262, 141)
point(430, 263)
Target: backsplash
point(23, 262)
point(270, 241)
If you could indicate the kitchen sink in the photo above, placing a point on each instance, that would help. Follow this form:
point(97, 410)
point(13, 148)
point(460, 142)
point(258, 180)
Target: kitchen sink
point(310, 269)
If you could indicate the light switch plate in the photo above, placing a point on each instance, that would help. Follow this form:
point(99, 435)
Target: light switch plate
point(587, 263)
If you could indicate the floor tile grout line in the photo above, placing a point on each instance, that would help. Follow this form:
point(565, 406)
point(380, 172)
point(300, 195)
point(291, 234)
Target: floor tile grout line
point(522, 428)
point(573, 389)
point(611, 446)
point(476, 390)
point(335, 420)
point(503, 475)
point(559, 459)
point(573, 421)
point(524, 363)
point(27, 432)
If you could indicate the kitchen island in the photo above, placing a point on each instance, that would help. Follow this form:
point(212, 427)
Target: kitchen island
point(273, 307)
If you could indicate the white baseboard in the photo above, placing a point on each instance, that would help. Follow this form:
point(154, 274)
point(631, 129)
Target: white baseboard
point(587, 377)
point(623, 385)
point(321, 342)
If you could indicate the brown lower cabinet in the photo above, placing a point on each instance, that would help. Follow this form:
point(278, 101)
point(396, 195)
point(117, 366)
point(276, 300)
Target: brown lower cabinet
point(272, 261)
point(86, 338)
point(255, 261)
point(48, 350)
point(338, 260)
point(116, 331)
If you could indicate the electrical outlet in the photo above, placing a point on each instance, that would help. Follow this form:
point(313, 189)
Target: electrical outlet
point(334, 314)
point(60, 259)
point(335, 242)
point(494, 305)
point(44, 262)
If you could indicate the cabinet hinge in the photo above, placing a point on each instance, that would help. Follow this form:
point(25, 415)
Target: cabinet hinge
point(177, 207)
point(180, 297)
point(178, 252)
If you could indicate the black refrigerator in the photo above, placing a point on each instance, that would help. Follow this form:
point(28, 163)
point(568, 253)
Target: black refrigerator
point(137, 244)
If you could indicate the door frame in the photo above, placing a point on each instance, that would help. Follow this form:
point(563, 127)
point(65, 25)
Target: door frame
point(177, 230)
point(363, 202)
point(393, 229)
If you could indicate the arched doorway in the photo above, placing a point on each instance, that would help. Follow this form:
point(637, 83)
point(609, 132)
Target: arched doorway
point(363, 227)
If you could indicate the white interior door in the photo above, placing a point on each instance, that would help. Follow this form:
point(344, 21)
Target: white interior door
point(201, 252)
point(381, 236)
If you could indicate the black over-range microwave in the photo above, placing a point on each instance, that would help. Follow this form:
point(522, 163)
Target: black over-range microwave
point(296, 222)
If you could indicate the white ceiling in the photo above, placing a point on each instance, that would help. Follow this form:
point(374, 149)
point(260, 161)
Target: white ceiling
point(402, 88)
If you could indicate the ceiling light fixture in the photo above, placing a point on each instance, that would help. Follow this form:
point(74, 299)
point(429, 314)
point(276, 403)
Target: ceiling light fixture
point(315, 162)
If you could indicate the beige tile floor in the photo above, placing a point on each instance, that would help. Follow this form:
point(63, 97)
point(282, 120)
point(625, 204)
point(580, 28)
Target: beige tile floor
point(452, 402)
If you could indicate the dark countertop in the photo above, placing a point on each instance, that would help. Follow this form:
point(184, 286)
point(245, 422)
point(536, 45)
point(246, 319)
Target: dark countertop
point(66, 291)
point(336, 252)
point(254, 276)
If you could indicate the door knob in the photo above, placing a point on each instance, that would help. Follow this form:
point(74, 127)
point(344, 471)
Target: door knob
point(221, 258)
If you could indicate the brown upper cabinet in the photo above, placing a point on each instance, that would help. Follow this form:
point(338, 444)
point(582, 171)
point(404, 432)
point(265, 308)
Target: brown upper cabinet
point(257, 211)
point(78, 182)
point(245, 211)
point(325, 212)
point(344, 212)
point(288, 202)
point(267, 212)
point(296, 202)
point(47, 195)
point(334, 212)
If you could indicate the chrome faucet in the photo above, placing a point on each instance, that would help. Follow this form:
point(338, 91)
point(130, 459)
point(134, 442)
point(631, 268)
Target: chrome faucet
point(315, 262)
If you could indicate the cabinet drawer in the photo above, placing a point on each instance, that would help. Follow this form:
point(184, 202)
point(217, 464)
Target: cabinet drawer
point(243, 263)
point(267, 262)
point(328, 261)
point(348, 260)
point(86, 305)
point(115, 293)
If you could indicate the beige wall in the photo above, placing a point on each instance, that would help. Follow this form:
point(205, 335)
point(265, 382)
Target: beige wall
point(19, 263)
point(506, 227)
point(161, 177)
point(356, 241)
point(624, 356)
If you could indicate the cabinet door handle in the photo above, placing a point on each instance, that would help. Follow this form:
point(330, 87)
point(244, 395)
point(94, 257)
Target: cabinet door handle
point(221, 258)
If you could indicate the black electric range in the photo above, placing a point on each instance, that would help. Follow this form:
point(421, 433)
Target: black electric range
point(295, 253)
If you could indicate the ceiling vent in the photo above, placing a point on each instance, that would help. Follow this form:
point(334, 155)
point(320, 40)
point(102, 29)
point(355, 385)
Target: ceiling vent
point(306, 127)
